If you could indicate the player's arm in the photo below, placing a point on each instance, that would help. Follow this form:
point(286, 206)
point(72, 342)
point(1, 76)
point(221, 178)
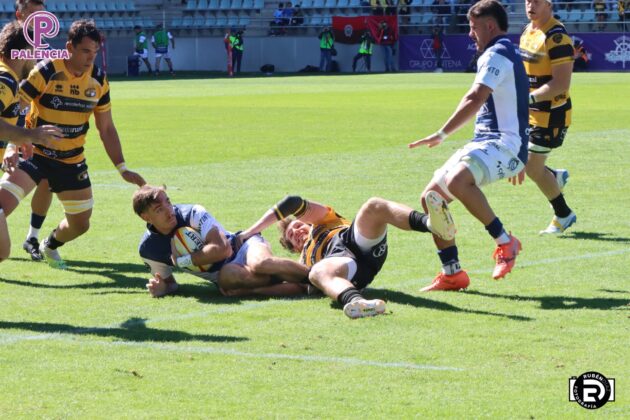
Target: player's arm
point(467, 108)
point(172, 39)
point(291, 205)
point(217, 248)
point(559, 83)
point(45, 135)
point(111, 142)
point(163, 282)
point(153, 41)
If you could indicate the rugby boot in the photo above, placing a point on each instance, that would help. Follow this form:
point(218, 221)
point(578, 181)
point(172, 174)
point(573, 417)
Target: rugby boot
point(361, 308)
point(31, 246)
point(51, 256)
point(440, 220)
point(442, 281)
point(558, 226)
point(505, 257)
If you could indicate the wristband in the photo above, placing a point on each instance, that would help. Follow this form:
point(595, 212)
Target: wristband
point(122, 167)
point(532, 99)
point(184, 261)
point(441, 134)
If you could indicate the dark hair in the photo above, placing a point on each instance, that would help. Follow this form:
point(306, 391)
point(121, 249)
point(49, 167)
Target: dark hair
point(12, 38)
point(84, 28)
point(491, 8)
point(20, 5)
point(145, 197)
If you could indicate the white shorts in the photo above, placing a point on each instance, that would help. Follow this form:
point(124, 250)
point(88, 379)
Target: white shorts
point(487, 160)
point(165, 55)
point(144, 54)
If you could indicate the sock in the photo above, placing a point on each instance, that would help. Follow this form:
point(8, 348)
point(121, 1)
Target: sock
point(418, 221)
point(450, 260)
point(53, 243)
point(349, 295)
point(560, 207)
point(496, 230)
point(36, 223)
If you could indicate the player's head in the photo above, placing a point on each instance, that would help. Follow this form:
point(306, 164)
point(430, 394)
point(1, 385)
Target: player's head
point(154, 207)
point(159, 26)
point(12, 38)
point(538, 10)
point(84, 41)
point(137, 29)
point(25, 8)
point(488, 19)
point(293, 234)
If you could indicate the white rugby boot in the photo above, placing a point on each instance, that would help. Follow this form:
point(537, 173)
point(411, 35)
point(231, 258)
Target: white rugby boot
point(361, 308)
point(440, 219)
point(51, 256)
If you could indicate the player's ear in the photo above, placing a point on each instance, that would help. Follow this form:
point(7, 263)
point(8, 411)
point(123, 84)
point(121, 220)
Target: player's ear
point(145, 216)
point(70, 47)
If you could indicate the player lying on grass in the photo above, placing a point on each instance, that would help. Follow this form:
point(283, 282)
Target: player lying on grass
point(251, 267)
point(344, 257)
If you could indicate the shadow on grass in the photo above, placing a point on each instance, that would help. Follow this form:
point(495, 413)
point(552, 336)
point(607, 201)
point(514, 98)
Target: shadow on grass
point(595, 236)
point(421, 302)
point(562, 302)
point(134, 329)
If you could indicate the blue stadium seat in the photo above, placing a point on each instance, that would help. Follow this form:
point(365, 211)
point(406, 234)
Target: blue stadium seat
point(318, 4)
point(355, 3)
point(202, 5)
point(330, 4)
point(588, 16)
point(213, 4)
point(224, 4)
point(236, 4)
point(199, 22)
point(81, 6)
point(306, 4)
point(147, 22)
point(222, 22)
point(187, 22)
point(91, 6)
point(210, 22)
point(427, 18)
point(62, 7)
point(415, 19)
point(575, 15)
point(129, 23)
point(72, 6)
point(110, 6)
point(247, 4)
point(563, 14)
point(176, 23)
point(233, 21)
point(259, 4)
point(101, 6)
point(243, 20)
point(316, 21)
point(191, 5)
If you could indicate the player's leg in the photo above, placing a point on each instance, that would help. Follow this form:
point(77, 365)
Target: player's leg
point(368, 62)
point(331, 275)
point(40, 203)
point(158, 59)
point(236, 276)
point(169, 62)
point(549, 181)
point(78, 210)
point(260, 260)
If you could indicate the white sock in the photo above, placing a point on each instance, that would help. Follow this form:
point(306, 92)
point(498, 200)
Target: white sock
point(451, 268)
point(503, 239)
point(32, 233)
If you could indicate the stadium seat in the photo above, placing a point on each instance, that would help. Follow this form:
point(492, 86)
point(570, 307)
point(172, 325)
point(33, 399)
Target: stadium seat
point(110, 6)
point(563, 14)
point(318, 4)
point(330, 4)
point(210, 22)
point(199, 22)
point(232, 21)
point(213, 4)
point(588, 16)
point(202, 5)
point(191, 5)
point(415, 19)
point(62, 7)
point(259, 4)
point(187, 22)
point(176, 23)
point(147, 22)
point(575, 15)
point(243, 21)
point(236, 4)
point(90, 6)
point(427, 18)
point(224, 4)
point(247, 4)
point(101, 6)
point(316, 21)
point(307, 4)
point(72, 6)
point(222, 22)
point(355, 3)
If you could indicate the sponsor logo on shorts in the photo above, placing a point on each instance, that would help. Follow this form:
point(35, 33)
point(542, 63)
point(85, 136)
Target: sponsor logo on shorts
point(380, 251)
point(83, 176)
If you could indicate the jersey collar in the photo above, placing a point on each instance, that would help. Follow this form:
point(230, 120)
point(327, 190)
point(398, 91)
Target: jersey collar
point(495, 40)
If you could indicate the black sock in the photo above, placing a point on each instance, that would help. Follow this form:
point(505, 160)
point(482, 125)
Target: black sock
point(37, 221)
point(348, 295)
point(495, 228)
point(53, 243)
point(418, 221)
point(450, 260)
point(560, 207)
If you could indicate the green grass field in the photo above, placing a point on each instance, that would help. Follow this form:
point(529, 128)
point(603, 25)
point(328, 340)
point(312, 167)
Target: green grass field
point(91, 343)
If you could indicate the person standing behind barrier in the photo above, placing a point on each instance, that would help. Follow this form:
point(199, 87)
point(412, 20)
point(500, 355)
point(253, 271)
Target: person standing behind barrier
point(438, 48)
point(386, 39)
point(326, 45)
point(365, 52)
point(141, 46)
point(159, 40)
point(236, 41)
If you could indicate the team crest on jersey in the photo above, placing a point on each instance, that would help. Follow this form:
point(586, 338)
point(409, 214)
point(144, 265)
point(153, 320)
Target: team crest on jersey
point(58, 88)
point(557, 38)
point(90, 92)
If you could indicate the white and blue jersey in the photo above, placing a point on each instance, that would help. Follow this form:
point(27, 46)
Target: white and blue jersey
point(505, 115)
point(155, 248)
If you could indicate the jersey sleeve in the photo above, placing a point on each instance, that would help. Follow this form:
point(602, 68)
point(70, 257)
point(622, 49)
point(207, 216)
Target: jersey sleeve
point(202, 221)
point(333, 218)
point(6, 95)
point(33, 86)
point(104, 103)
point(559, 48)
point(169, 35)
point(156, 267)
point(152, 39)
point(492, 70)
point(142, 38)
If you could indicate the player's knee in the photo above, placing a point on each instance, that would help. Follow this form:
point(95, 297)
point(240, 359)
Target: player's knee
point(80, 226)
point(258, 265)
point(319, 274)
point(374, 205)
point(457, 184)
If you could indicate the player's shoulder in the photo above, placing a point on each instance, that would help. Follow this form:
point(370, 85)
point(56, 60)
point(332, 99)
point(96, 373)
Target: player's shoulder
point(557, 33)
point(47, 68)
point(99, 75)
point(8, 80)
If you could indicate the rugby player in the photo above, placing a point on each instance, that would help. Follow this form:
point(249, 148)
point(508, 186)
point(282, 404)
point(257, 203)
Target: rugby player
point(547, 52)
point(343, 256)
point(65, 93)
point(11, 71)
point(498, 149)
point(251, 268)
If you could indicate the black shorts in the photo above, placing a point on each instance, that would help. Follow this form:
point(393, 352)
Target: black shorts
point(546, 138)
point(368, 263)
point(61, 176)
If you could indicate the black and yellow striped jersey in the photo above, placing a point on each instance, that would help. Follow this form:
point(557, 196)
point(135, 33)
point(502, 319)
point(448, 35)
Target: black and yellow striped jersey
point(9, 100)
point(541, 49)
point(321, 234)
point(62, 99)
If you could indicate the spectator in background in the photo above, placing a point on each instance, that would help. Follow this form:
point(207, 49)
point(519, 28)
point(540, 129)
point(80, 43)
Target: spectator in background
point(365, 52)
point(600, 14)
point(160, 40)
point(236, 42)
point(141, 46)
point(287, 14)
point(326, 46)
point(298, 16)
point(377, 7)
point(276, 23)
point(386, 39)
point(442, 11)
point(438, 47)
point(580, 58)
point(392, 6)
point(404, 10)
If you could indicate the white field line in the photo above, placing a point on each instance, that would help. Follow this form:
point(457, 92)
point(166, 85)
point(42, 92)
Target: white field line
point(9, 339)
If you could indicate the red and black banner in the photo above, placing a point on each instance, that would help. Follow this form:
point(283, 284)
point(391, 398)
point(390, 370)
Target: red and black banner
point(348, 30)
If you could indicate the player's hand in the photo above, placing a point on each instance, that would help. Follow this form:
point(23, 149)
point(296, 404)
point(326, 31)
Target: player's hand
point(157, 287)
point(26, 150)
point(431, 141)
point(133, 178)
point(46, 135)
point(238, 240)
point(10, 161)
point(518, 179)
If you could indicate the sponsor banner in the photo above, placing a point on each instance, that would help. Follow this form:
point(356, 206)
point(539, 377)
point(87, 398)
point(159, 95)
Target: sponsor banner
point(348, 30)
point(606, 51)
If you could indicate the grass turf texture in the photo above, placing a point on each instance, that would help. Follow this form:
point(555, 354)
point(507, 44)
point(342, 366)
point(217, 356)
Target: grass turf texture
point(89, 342)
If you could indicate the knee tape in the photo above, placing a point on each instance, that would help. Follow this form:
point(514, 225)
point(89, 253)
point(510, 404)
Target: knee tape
point(77, 206)
point(14, 189)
